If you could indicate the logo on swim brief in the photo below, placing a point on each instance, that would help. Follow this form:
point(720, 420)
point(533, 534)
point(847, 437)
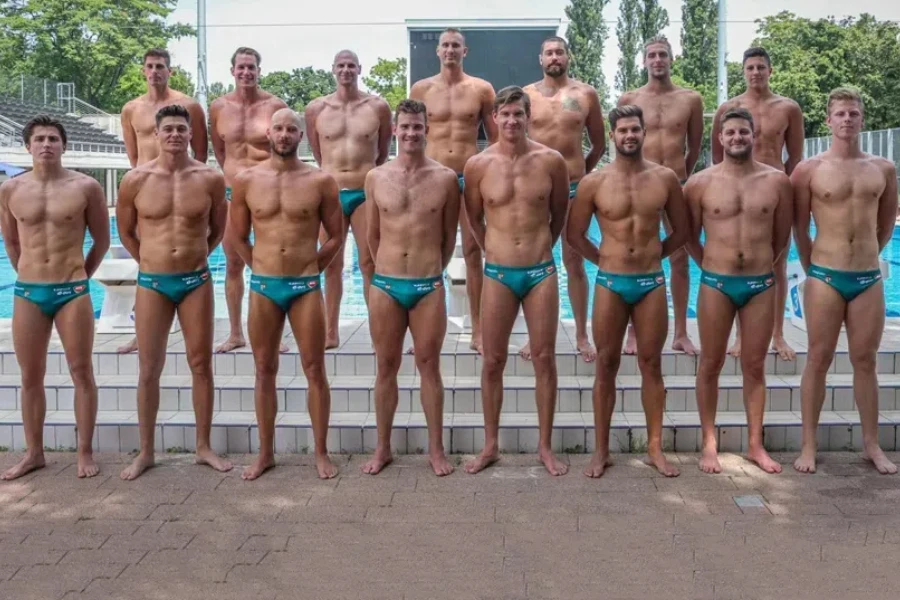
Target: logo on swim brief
point(154, 283)
point(550, 269)
point(720, 285)
point(827, 279)
point(499, 275)
point(262, 286)
point(78, 289)
point(313, 283)
point(438, 283)
point(204, 276)
point(660, 279)
point(26, 293)
point(769, 281)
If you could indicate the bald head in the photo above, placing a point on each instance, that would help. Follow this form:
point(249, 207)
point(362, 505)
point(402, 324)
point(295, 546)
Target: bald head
point(284, 116)
point(344, 55)
point(285, 133)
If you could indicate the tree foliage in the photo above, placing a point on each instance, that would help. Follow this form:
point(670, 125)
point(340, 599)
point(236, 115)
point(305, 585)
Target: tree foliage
point(299, 87)
point(639, 20)
point(700, 28)
point(587, 33)
point(217, 89)
point(388, 79)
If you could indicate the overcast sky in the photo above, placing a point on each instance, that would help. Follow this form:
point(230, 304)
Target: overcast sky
point(292, 34)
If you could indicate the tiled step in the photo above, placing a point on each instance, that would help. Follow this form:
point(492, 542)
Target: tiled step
point(237, 432)
point(352, 394)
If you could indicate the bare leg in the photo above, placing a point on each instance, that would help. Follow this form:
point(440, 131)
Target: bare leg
point(578, 297)
point(334, 291)
point(234, 297)
point(681, 285)
point(308, 323)
point(75, 323)
point(779, 344)
point(474, 277)
point(31, 338)
point(128, 348)
point(366, 264)
point(735, 349)
point(631, 340)
point(825, 309)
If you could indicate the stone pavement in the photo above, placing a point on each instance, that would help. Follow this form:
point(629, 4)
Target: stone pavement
point(185, 532)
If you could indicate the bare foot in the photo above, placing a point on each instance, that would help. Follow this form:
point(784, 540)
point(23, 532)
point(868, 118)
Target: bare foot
point(129, 347)
point(630, 346)
point(137, 467)
point(806, 462)
point(332, 341)
point(553, 465)
point(764, 461)
point(439, 463)
point(525, 351)
point(586, 350)
point(411, 350)
point(476, 343)
point(232, 343)
point(684, 344)
point(784, 350)
point(260, 466)
point(379, 461)
point(709, 460)
point(284, 348)
point(658, 460)
point(876, 456)
point(325, 467)
point(598, 465)
point(86, 465)
point(735, 349)
point(482, 461)
point(206, 456)
point(30, 462)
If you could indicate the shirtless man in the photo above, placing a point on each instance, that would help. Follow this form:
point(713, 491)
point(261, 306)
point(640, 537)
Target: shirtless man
point(744, 207)
point(286, 202)
point(238, 122)
point(349, 134)
point(627, 198)
point(674, 132)
point(43, 215)
point(413, 215)
point(779, 125)
point(561, 110)
point(139, 121)
point(853, 198)
point(521, 188)
point(178, 205)
point(457, 103)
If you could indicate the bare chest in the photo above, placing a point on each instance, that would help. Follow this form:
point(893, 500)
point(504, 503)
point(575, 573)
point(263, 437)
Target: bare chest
point(733, 199)
point(563, 111)
point(184, 196)
point(460, 104)
point(58, 204)
point(620, 197)
point(409, 198)
point(855, 184)
point(664, 115)
point(524, 183)
point(358, 123)
point(285, 198)
point(238, 124)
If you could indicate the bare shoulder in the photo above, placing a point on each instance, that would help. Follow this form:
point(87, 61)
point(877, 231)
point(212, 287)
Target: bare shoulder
point(664, 173)
point(690, 95)
point(420, 88)
point(546, 153)
point(274, 102)
point(441, 172)
point(788, 104)
point(729, 104)
point(773, 175)
point(697, 182)
point(883, 164)
point(85, 182)
point(629, 97)
point(8, 187)
point(131, 106)
point(378, 103)
point(594, 178)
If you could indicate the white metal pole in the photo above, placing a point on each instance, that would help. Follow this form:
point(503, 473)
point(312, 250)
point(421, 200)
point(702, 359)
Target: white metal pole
point(722, 51)
point(201, 54)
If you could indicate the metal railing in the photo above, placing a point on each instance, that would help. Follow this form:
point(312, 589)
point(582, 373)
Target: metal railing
point(28, 89)
point(883, 142)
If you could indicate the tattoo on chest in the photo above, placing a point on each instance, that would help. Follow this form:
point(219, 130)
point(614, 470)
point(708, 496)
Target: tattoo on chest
point(571, 104)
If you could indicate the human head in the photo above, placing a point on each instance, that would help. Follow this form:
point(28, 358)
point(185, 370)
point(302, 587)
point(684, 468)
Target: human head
point(736, 134)
point(451, 48)
point(285, 132)
point(157, 67)
point(757, 68)
point(411, 126)
point(555, 56)
point(346, 68)
point(512, 110)
point(173, 128)
point(658, 57)
point(846, 112)
point(45, 139)
point(626, 129)
point(245, 67)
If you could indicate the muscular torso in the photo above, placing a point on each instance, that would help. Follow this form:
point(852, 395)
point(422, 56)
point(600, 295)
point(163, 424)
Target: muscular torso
point(285, 210)
point(737, 215)
point(173, 214)
point(844, 200)
point(50, 218)
point(454, 116)
point(771, 118)
point(143, 122)
point(243, 129)
point(628, 207)
point(348, 139)
point(411, 218)
point(558, 122)
point(666, 120)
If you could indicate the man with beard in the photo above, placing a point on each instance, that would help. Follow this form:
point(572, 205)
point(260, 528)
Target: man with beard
point(627, 198)
point(285, 202)
point(744, 207)
point(561, 110)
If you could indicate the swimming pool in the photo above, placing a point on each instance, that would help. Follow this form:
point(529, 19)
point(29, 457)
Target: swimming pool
point(353, 304)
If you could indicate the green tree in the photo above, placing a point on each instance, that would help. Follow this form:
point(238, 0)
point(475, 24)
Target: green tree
point(639, 20)
point(388, 79)
point(700, 28)
point(218, 89)
point(90, 43)
point(587, 33)
point(299, 87)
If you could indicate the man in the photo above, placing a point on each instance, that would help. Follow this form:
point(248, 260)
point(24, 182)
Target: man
point(674, 131)
point(562, 109)
point(853, 198)
point(627, 198)
point(349, 133)
point(457, 103)
point(521, 188)
point(779, 127)
point(744, 207)
point(178, 205)
point(44, 214)
point(238, 122)
point(286, 202)
point(139, 121)
point(413, 214)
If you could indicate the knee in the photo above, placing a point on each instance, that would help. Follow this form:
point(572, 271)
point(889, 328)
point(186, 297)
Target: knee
point(389, 366)
point(544, 361)
point(266, 368)
point(753, 369)
point(314, 371)
point(574, 267)
point(494, 364)
point(428, 365)
point(366, 263)
point(336, 266)
point(82, 374)
point(33, 377)
point(200, 366)
point(234, 266)
point(608, 363)
point(710, 366)
point(679, 260)
point(471, 252)
point(863, 362)
point(650, 365)
point(818, 362)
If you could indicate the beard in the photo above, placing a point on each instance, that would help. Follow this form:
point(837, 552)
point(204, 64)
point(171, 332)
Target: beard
point(624, 152)
point(741, 155)
point(555, 70)
point(291, 150)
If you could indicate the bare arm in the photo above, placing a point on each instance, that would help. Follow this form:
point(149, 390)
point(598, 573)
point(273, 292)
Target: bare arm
point(218, 213)
point(887, 206)
point(451, 219)
point(385, 132)
point(474, 202)
point(717, 150)
point(218, 142)
point(596, 133)
point(694, 136)
point(783, 218)
point(97, 219)
point(373, 217)
point(240, 222)
point(312, 135)
point(580, 214)
point(692, 195)
point(199, 139)
point(559, 196)
point(9, 227)
point(676, 210)
point(129, 135)
point(794, 138)
point(332, 220)
point(487, 114)
point(126, 215)
point(802, 194)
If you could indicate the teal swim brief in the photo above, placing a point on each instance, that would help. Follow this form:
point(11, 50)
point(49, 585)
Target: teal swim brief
point(462, 182)
point(284, 290)
point(228, 193)
point(630, 287)
point(174, 286)
point(849, 284)
point(50, 297)
point(520, 280)
point(407, 291)
point(351, 199)
point(739, 288)
point(573, 187)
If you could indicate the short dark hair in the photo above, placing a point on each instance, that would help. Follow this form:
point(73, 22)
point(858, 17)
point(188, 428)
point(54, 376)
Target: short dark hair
point(247, 51)
point(737, 113)
point(510, 94)
point(557, 39)
point(158, 53)
point(173, 110)
point(410, 107)
point(452, 30)
point(755, 52)
point(43, 121)
point(625, 111)
point(658, 39)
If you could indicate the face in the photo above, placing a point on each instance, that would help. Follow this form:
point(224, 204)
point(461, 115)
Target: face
point(46, 145)
point(845, 119)
point(156, 72)
point(245, 71)
point(345, 69)
point(284, 134)
point(512, 120)
point(174, 134)
point(658, 61)
point(451, 49)
point(628, 136)
point(411, 132)
point(737, 138)
point(555, 59)
point(757, 72)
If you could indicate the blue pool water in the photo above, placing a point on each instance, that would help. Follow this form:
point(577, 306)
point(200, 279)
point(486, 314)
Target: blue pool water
point(354, 306)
